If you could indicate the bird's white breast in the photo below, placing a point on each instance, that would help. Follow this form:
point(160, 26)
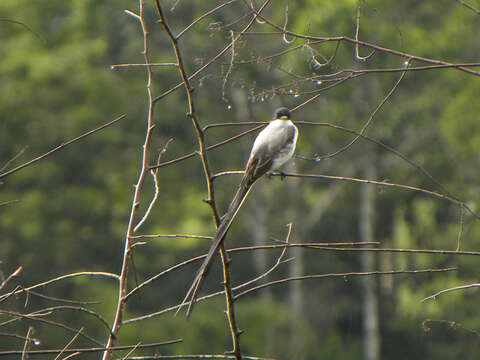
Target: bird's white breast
point(277, 136)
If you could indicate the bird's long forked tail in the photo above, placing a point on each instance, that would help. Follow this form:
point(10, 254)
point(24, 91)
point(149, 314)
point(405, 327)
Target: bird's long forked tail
point(220, 234)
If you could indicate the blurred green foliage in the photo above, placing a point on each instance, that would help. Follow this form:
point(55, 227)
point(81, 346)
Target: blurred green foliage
point(73, 208)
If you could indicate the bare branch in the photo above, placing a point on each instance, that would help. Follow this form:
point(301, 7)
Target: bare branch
point(27, 342)
point(20, 153)
point(197, 356)
point(278, 262)
point(456, 288)
point(211, 147)
point(8, 202)
point(153, 172)
point(38, 318)
point(89, 350)
point(470, 7)
point(26, 27)
point(344, 275)
point(374, 182)
point(51, 281)
point(407, 56)
point(208, 13)
point(369, 121)
point(115, 66)
point(357, 30)
point(11, 276)
point(122, 286)
point(60, 147)
point(306, 277)
point(68, 344)
point(216, 57)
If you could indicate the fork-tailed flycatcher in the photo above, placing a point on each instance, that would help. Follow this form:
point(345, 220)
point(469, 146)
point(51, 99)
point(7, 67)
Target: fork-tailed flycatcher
point(272, 148)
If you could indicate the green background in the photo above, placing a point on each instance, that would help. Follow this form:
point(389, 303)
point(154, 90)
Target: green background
point(73, 208)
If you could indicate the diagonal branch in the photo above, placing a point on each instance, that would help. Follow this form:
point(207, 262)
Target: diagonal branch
point(456, 288)
point(407, 56)
point(370, 119)
point(60, 147)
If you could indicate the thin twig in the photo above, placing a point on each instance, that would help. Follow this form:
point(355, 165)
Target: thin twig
point(216, 57)
point(344, 276)
point(461, 222)
point(285, 23)
point(58, 278)
point(26, 27)
point(11, 276)
point(369, 121)
point(329, 246)
point(43, 296)
point(153, 236)
point(27, 342)
point(131, 351)
point(69, 343)
point(470, 7)
point(153, 172)
point(374, 182)
point(89, 350)
point(8, 202)
point(362, 43)
point(392, 70)
point(211, 147)
point(75, 308)
point(203, 16)
point(278, 246)
point(16, 336)
point(357, 30)
point(461, 287)
point(411, 251)
point(278, 262)
point(380, 144)
point(47, 154)
point(230, 67)
point(38, 318)
point(322, 90)
point(197, 356)
point(115, 66)
point(72, 355)
point(20, 153)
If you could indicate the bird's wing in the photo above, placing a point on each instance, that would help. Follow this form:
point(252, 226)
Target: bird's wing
point(258, 165)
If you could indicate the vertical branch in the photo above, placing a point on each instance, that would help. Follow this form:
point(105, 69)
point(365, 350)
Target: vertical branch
point(230, 67)
point(138, 188)
point(208, 177)
point(26, 345)
point(357, 30)
point(191, 112)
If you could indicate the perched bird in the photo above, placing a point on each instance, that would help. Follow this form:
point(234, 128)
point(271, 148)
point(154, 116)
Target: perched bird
point(272, 148)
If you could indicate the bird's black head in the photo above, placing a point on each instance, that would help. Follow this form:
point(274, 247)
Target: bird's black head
point(281, 112)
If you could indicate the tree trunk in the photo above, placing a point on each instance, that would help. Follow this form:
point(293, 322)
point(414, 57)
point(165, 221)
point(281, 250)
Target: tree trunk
point(371, 336)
